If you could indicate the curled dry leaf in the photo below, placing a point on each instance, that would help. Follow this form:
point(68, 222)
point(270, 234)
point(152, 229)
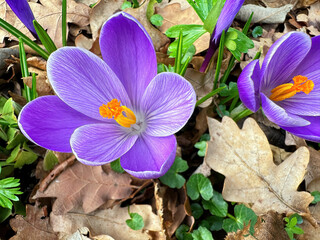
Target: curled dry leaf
point(86, 186)
point(43, 86)
point(34, 226)
point(110, 222)
point(245, 158)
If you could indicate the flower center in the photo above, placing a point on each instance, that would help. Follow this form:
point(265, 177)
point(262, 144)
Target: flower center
point(288, 90)
point(113, 109)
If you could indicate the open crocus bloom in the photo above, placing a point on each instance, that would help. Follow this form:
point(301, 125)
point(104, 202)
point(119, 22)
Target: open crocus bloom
point(114, 108)
point(228, 13)
point(287, 85)
point(23, 11)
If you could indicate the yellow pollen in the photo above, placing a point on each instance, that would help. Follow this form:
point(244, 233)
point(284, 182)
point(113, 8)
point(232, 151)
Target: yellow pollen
point(288, 90)
point(113, 109)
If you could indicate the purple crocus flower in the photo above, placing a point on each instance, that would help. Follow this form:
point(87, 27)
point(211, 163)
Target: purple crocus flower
point(23, 11)
point(228, 13)
point(287, 85)
point(114, 108)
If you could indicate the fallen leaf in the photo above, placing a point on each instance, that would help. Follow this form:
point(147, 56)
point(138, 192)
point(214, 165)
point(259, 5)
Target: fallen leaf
point(86, 186)
point(101, 12)
point(140, 13)
point(34, 226)
point(49, 14)
point(271, 3)
point(43, 85)
point(110, 222)
point(245, 158)
point(313, 171)
point(37, 62)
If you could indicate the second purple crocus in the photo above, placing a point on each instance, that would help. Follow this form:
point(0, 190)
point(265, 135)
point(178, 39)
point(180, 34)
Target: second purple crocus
point(287, 85)
point(228, 13)
point(23, 11)
point(111, 108)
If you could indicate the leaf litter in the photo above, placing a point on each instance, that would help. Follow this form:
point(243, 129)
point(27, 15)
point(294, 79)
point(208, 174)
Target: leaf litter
point(85, 202)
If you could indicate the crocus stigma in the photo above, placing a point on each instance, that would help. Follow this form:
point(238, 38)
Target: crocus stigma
point(111, 108)
point(287, 85)
point(23, 11)
point(228, 13)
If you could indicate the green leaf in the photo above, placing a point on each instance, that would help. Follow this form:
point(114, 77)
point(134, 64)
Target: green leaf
point(197, 210)
point(257, 32)
point(198, 185)
point(156, 20)
point(190, 34)
point(15, 137)
point(172, 178)
point(50, 160)
point(8, 191)
point(223, 110)
point(136, 221)
point(243, 216)
point(8, 112)
point(116, 166)
point(213, 223)
point(21, 156)
point(212, 18)
point(231, 90)
point(202, 233)
point(291, 227)
point(125, 5)
point(44, 38)
point(182, 233)
point(205, 137)
point(202, 146)
point(4, 213)
point(239, 45)
point(3, 134)
point(216, 205)
point(316, 195)
point(202, 7)
point(298, 217)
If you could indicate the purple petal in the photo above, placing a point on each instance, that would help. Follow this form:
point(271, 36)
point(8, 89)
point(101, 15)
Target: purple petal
point(282, 59)
point(279, 116)
point(248, 86)
point(310, 132)
point(228, 13)
point(150, 157)
point(23, 11)
point(127, 48)
point(49, 122)
point(168, 103)
point(84, 81)
point(98, 144)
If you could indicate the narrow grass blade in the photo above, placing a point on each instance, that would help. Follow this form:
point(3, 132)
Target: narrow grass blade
point(24, 68)
point(44, 37)
point(64, 22)
point(177, 62)
point(219, 61)
point(214, 92)
point(15, 32)
point(34, 94)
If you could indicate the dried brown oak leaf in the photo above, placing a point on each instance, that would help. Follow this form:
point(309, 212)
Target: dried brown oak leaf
point(49, 14)
point(110, 222)
point(86, 186)
point(34, 226)
point(245, 158)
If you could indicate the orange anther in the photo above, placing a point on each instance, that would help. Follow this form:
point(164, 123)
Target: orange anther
point(113, 109)
point(287, 90)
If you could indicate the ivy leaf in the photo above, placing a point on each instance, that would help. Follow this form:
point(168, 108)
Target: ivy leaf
point(182, 233)
point(239, 45)
point(243, 216)
point(316, 195)
point(202, 233)
point(135, 222)
point(231, 90)
point(213, 223)
point(198, 185)
point(257, 32)
point(125, 5)
point(197, 210)
point(8, 191)
point(172, 178)
point(202, 146)
point(216, 205)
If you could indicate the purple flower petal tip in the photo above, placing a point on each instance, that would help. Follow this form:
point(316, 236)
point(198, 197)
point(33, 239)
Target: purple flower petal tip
point(111, 108)
point(288, 84)
point(23, 11)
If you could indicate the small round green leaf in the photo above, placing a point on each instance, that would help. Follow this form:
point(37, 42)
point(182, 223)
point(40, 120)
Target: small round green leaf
point(136, 221)
point(156, 20)
point(199, 185)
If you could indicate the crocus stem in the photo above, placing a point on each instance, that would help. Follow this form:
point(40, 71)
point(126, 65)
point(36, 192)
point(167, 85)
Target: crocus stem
point(232, 217)
point(219, 61)
point(64, 22)
point(243, 114)
point(15, 32)
point(209, 95)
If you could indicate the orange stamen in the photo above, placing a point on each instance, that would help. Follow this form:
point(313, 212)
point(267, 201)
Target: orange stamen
point(113, 109)
point(288, 90)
